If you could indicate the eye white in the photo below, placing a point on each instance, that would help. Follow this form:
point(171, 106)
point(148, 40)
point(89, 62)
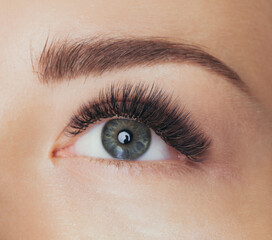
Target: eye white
point(90, 145)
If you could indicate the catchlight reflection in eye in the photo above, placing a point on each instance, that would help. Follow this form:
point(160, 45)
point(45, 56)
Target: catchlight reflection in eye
point(123, 139)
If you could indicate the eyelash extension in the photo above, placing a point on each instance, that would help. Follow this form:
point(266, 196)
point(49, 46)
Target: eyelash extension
point(149, 105)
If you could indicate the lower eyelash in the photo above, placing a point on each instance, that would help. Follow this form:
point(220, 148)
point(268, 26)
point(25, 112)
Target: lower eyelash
point(157, 168)
point(151, 106)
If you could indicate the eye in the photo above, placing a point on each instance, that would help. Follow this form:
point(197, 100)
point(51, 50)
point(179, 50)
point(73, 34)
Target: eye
point(133, 122)
point(123, 139)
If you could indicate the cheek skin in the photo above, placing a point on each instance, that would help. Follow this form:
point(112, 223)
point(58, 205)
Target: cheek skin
point(155, 205)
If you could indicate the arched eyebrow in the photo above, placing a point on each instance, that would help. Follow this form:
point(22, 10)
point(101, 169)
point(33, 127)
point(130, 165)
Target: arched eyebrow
point(62, 60)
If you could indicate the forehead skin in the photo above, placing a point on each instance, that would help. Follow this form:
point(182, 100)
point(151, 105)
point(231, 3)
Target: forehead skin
point(237, 32)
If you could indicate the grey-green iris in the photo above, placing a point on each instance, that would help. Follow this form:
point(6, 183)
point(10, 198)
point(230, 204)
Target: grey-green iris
point(125, 139)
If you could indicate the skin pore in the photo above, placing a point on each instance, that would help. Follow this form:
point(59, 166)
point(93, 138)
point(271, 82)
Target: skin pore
point(227, 196)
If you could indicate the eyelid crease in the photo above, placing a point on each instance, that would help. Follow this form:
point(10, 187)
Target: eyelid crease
point(149, 105)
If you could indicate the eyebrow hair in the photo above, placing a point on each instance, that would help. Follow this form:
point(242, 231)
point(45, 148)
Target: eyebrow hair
point(67, 59)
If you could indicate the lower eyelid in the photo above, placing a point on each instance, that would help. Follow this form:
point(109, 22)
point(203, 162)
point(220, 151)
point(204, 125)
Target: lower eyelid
point(177, 166)
point(85, 166)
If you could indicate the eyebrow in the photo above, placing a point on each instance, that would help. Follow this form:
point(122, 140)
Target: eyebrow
point(62, 60)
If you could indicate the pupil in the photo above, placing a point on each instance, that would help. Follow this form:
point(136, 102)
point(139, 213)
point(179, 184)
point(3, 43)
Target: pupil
point(124, 136)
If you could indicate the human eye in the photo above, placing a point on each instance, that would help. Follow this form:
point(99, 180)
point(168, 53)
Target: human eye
point(134, 123)
point(123, 139)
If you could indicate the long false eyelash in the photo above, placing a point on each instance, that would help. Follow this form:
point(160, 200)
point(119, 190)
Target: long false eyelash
point(151, 106)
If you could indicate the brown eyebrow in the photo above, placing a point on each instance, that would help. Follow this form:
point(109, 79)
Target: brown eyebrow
point(69, 59)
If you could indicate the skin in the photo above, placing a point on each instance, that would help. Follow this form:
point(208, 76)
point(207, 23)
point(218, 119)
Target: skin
point(79, 198)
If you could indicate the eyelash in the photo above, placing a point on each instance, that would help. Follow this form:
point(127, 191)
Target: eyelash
point(149, 105)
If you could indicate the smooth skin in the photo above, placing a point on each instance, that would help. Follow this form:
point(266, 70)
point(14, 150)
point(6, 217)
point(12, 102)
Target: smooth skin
point(76, 198)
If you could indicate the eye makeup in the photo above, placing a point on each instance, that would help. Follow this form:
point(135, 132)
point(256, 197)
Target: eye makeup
point(149, 105)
